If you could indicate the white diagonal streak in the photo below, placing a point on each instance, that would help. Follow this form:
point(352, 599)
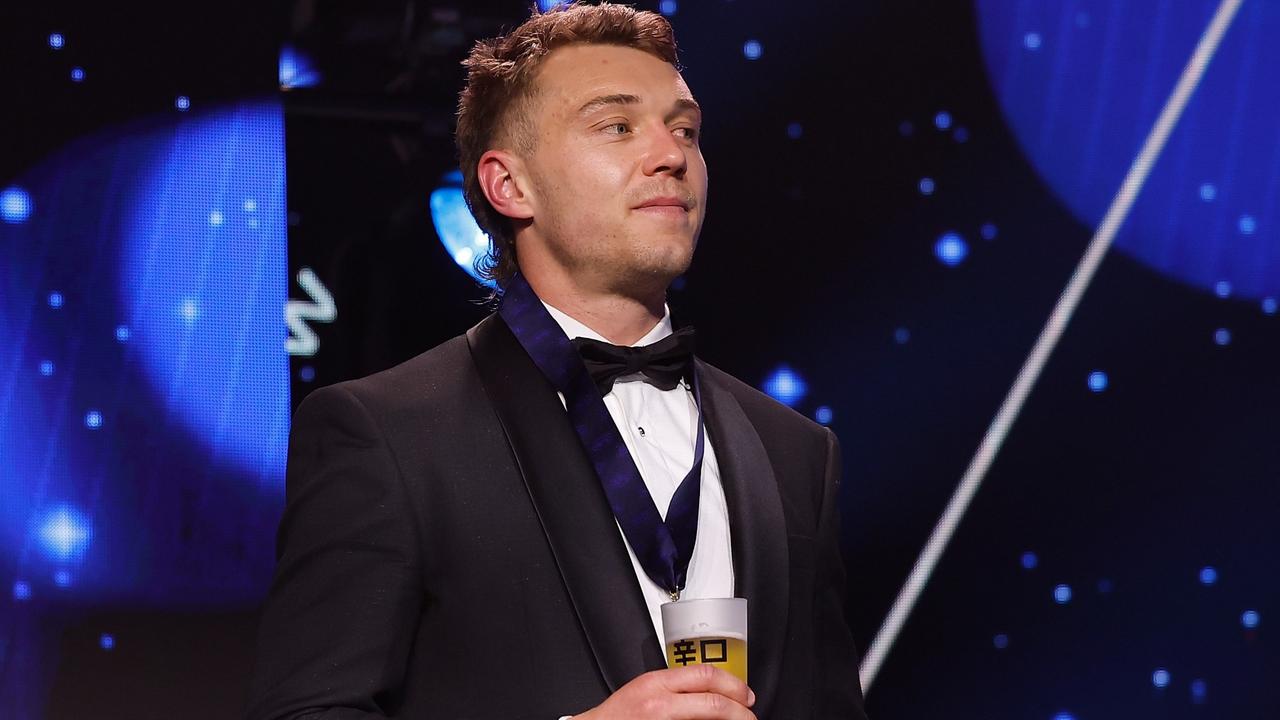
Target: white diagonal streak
point(1047, 341)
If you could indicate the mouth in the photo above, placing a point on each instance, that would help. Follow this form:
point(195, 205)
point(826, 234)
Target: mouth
point(675, 214)
point(669, 203)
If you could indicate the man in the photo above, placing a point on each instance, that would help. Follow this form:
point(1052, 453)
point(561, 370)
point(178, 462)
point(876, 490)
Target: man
point(489, 530)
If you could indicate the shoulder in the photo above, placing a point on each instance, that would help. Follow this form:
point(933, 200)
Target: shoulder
point(441, 377)
point(773, 420)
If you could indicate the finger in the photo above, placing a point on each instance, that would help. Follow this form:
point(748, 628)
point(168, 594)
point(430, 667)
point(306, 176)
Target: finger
point(706, 706)
point(707, 678)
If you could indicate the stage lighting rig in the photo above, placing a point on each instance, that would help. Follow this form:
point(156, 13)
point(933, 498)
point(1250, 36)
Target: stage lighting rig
point(394, 63)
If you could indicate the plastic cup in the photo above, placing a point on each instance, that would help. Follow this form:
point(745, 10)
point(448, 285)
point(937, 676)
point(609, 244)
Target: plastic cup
point(707, 631)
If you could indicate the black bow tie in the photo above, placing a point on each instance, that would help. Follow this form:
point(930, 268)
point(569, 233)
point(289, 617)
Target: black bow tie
point(664, 363)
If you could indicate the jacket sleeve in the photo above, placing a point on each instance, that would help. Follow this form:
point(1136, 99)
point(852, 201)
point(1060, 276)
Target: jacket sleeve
point(347, 592)
point(838, 692)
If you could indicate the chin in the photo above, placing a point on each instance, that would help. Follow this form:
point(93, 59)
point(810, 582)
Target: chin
point(650, 272)
point(671, 257)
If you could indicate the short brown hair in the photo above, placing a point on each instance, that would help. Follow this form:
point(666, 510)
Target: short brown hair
point(500, 73)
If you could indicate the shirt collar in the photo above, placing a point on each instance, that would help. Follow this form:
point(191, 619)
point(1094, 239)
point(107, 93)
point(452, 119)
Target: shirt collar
point(574, 329)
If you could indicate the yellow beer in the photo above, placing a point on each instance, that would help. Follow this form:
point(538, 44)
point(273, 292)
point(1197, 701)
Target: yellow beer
point(725, 652)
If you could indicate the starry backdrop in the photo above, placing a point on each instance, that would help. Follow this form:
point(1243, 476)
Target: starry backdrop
point(205, 214)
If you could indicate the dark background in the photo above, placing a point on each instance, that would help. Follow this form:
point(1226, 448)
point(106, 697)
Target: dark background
point(818, 253)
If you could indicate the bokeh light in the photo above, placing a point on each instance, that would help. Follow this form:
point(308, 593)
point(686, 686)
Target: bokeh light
point(64, 534)
point(1098, 381)
point(15, 205)
point(1062, 594)
point(951, 249)
point(786, 386)
point(456, 226)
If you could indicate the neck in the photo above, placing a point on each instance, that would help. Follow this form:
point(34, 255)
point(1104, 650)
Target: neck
point(619, 318)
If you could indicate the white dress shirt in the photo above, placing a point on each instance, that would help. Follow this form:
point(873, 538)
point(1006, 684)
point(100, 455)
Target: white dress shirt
point(659, 428)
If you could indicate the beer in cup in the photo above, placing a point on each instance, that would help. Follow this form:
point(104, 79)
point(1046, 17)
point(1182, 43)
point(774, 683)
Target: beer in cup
point(707, 631)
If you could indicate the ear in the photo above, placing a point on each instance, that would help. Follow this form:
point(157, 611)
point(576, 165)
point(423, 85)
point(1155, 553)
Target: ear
point(503, 181)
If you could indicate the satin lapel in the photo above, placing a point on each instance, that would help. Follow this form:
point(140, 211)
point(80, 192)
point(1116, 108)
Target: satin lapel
point(571, 506)
point(757, 530)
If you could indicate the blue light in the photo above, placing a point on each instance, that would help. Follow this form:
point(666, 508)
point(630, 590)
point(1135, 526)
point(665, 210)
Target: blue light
point(1208, 192)
point(55, 300)
point(1208, 575)
point(306, 373)
point(1064, 715)
point(15, 205)
point(297, 70)
point(795, 131)
point(62, 578)
point(752, 50)
point(122, 333)
point(1029, 560)
point(785, 386)
point(823, 415)
point(1062, 594)
point(951, 249)
point(1269, 305)
point(56, 41)
point(1222, 336)
point(77, 74)
point(926, 186)
point(1054, 110)
point(942, 120)
point(547, 5)
point(214, 345)
point(106, 642)
point(1199, 689)
point(21, 590)
point(1160, 678)
point(988, 231)
point(1222, 289)
point(960, 134)
point(223, 385)
point(64, 533)
point(1250, 619)
point(667, 7)
point(93, 419)
point(183, 103)
point(46, 367)
point(1001, 641)
point(1248, 225)
point(189, 310)
point(1097, 381)
point(456, 226)
point(901, 336)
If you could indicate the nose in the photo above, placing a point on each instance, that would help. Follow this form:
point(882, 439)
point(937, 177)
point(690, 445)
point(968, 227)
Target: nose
point(665, 154)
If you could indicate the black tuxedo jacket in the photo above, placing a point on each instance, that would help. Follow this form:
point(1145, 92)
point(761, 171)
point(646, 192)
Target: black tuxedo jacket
point(447, 551)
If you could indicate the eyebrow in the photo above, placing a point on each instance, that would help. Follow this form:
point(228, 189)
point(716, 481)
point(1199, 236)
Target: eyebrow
point(596, 103)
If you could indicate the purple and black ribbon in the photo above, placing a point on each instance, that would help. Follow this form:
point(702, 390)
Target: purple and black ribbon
point(663, 548)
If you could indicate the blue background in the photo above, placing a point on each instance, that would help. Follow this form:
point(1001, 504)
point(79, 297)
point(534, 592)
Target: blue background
point(900, 191)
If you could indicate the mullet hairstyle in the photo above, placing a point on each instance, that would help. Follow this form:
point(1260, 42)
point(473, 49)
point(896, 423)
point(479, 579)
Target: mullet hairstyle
point(493, 108)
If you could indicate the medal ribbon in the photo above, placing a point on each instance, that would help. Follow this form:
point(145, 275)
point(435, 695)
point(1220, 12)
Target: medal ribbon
point(663, 548)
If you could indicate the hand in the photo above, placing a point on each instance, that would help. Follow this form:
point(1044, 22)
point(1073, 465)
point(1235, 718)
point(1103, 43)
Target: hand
point(694, 692)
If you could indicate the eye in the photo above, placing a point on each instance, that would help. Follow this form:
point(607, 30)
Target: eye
point(610, 128)
point(689, 133)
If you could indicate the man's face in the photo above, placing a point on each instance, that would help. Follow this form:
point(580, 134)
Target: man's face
point(619, 182)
